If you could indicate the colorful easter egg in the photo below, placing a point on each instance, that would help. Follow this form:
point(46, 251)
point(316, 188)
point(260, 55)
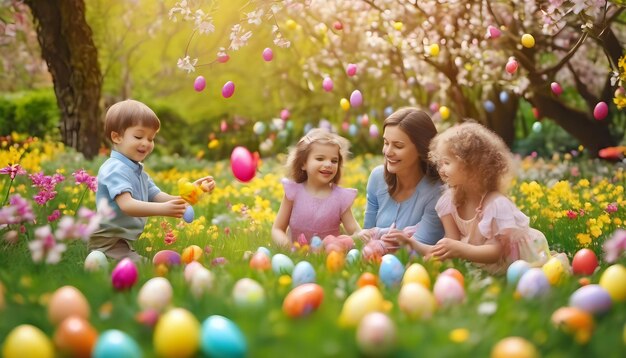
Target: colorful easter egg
point(75, 337)
point(511, 66)
point(223, 126)
point(591, 298)
point(455, 274)
point(367, 278)
point(528, 41)
point(493, 32)
point(27, 341)
point(65, 302)
point(335, 261)
point(600, 111)
point(191, 253)
point(504, 96)
point(228, 89)
point(199, 84)
point(337, 25)
point(517, 347)
point(353, 256)
point(264, 250)
point(167, 258)
point(536, 127)
point(344, 104)
point(574, 321)
point(444, 112)
point(260, 261)
point(555, 271)
point(353, 130)
point(433, 50)
point(376, 335)
point(416, 273)
point(374, 132)
point(416, 301)
point(268, 54)
point(96, 261)
point(556, 88)
point(189, 214)
point(516, 270)
point(258, 128)
point(201, 282)
point(155, 294)
point(190, 268)
point(114, 343)
point(533, 284)
point(221, 337)
point(448, 291)
point(316, 243)
point(124, 275)
point(351, 69)
point(356, 98)
point(285, 114)
point(327, 84)
point(223, 57)
point(302, 273)
point(242, 164)
point(177, 334)
point(361, 302)
point(584, 262)
point(282, 264)
point(489, 106)
point(303, 299)
point(390, 271)
point(613, 280)
point(247, 293)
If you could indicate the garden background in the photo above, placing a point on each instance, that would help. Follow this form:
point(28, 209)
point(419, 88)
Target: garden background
point(546, 76)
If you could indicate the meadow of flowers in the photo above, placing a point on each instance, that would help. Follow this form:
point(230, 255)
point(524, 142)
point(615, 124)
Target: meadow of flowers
point(47, 194)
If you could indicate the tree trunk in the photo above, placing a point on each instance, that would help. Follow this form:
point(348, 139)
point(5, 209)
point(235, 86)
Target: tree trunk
point(67, 47)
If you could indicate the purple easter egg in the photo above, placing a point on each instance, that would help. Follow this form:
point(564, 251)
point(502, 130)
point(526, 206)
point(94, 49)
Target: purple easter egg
point(556, 88)
point(533, 284)
point(351, 70)
point(601, 111)
point(268, 54)
point(374, 131)
point(124, 275)
point(167, 258)
point(228, 89)
point(328, 84)
point(591, 298)
point(199, 84)
point(356, 98)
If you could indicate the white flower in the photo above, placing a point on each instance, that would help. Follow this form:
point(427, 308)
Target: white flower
point(487, 308)
point(237, 40)
point(254, 17)
point(187, 64)
point(206, 27)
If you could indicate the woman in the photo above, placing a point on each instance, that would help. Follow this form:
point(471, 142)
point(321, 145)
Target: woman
point(402, 193)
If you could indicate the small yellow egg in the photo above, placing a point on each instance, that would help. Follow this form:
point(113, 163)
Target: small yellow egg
point(398, 25)
point(433, 50)
point(335, 261)
point(418, 274)
point(528, 40)
point(27, 341)
point(613, 280)
point(345, 104)
point(291, 24)
point(444, 112)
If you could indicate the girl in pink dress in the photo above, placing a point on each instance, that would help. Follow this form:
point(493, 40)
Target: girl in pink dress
point(481, 224)
point(314, 205)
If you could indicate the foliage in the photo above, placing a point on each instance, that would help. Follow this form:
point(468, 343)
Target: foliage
point(33, 112)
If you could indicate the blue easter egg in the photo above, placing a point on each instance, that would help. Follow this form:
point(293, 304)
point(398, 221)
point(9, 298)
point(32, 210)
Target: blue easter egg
point(316, 242)
point(282, 264)
point(489, 106)
point(533, 284)
point(264, 250)
point(115, 343)
point(516, 270)
point(258, 128)
point(591, 298)
point(189, 214)
point(353, 130)
point(388, 111)
point(391, 271)
point(504, 96)
point(537, 127)
point(307, 128)
point(302, 273)
point(353, 256)
point(221, 337)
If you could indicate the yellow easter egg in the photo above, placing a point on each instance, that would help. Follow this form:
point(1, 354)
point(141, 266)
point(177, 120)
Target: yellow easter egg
point(416, 301)
point(191, 253)
point(528, 40)
point(177, 334)
point(554, 271)
point(433, 49)
point(345, 104)
point(514, 347)
point(613, 280)
point(444, 112)
point(335, 261)
point(418, 274)
point(291, 25)
point(398, 25)
point(361, 302)
point(27, 341)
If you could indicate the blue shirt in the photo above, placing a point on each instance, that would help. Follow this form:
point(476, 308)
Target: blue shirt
point(382, 210)
point(118, 175)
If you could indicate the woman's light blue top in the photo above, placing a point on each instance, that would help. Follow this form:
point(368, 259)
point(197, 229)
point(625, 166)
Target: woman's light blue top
point(382, 210)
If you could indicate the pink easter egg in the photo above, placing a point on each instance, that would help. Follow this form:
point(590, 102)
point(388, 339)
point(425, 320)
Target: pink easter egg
point(284, 114)
point(356, 98)
point(223, 126)
point(268, 54)
point(365, 120)
point(601, 111)
point(493, 32)
point(199, 84)
point(351, 70)
point(223, 58)
point(345, 126)
point(167, 258)
point(434, 107)
point(556, 88)
point(124, 275)
point(228, 89)
point(338, 25)
point(242, 164)
point(327, 84)
point(511, 66)
point(374, 131)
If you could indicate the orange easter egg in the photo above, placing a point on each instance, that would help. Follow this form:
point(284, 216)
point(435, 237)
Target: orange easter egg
point(67, 301)
point(335, 261)
point(260, 261)
point(191, 253)
point(76, 337)
point(303, 300)
point(367, 278)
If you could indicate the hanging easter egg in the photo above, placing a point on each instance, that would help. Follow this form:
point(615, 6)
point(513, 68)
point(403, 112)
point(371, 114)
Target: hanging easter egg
point(285, 114)
point(528, 41)
point(433, 50)
point(352, 256)
point(448, 291)
point(388, 111)
point(302, 273)
point(516, 270)
point(361, 302)
point(282, 264)
point(115, 343)
point(489, 106)
point(223, 57)
point(75, 337)
point(591, 298)
point(248, 294)
point(584, 262)
point(167, 258)
point(416, 273)
point(27, 341)
point(325, 123)
point(613, 280)
point(600, 111)
point(199, 84)
point(337, 25)
point(268, 54)
point(221, 337)
point(327, 84)
point(155, 294)
point(536, 127)
point(191, 253)
point(374, 133)
point(390, 271)
point(177, 334)
point(96, 261)
point(556, 88)
point(345, 104)
point(353, 130)
point(124, 275)
point(228, 89)
point(258, 128)
point(189, 214)
point(242, 164)
point(303, 299)
point(365, 120)
point(351, 69)
point(504, 96)
point(493, 32)
point(416, 301)
point(223, 126)
point(376, 335)
point(533, 284)
point(444, 112)
point(434, 107)
point(356, 98)
point(511, 66)
point(514, 347)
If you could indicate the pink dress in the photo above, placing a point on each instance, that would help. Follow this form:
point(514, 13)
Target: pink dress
point(499, 220)
point(313, 216)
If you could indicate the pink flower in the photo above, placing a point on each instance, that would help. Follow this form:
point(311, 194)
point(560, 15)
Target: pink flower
point(614, 246)
point(45, 246)
point(611, 208)
point(17, 211)
point(82, 177)
point(56, 214)
point(572, 214)
point(169, 238)
point(13, 170)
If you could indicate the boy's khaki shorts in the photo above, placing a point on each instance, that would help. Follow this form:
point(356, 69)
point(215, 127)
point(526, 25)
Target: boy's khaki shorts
point(115, 248)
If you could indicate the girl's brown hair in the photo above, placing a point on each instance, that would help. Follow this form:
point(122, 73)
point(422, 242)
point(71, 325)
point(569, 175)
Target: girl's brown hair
point(125, 114)
point(299, 154)
point(420, 128)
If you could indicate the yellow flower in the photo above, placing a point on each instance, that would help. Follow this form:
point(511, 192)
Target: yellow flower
point(583, 239)
point(459, 335)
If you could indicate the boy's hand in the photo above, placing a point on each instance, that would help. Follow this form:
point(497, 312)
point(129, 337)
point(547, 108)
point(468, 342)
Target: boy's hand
point(207, 184)
point(175, 207)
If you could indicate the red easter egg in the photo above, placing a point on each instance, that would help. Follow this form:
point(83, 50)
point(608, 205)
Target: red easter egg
point(601, 111)
point(338, 25)
point(511, 66)
point(584, 262)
